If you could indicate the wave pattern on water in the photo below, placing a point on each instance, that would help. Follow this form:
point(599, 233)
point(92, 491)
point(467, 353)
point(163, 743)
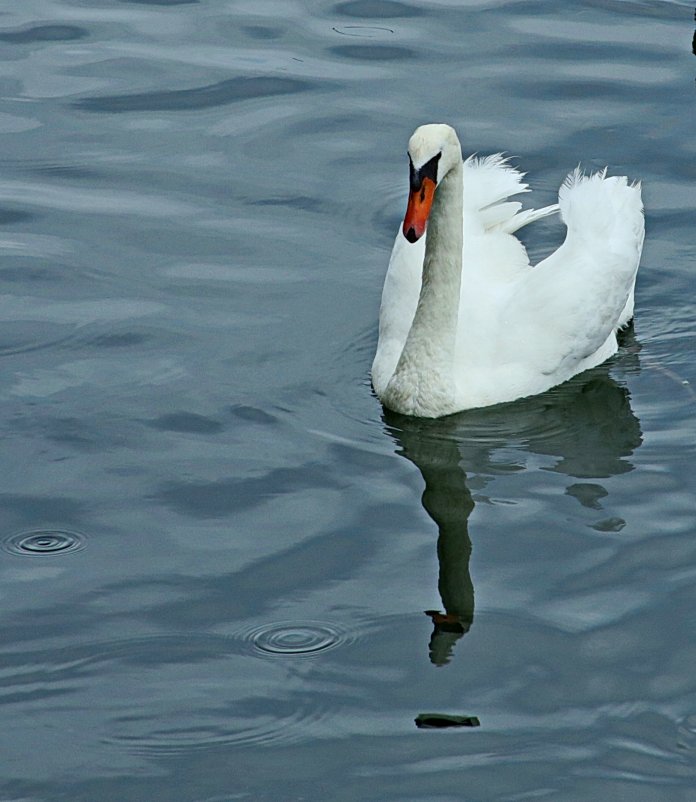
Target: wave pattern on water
point(232, 90)
point(197, 208)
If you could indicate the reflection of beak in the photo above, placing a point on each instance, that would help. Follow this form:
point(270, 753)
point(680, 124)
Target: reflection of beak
point(419, 202)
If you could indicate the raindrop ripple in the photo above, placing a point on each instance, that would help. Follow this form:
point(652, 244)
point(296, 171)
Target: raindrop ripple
point(44, 541)
point(296, 638)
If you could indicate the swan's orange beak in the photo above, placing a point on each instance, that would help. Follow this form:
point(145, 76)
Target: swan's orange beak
point(419, 202)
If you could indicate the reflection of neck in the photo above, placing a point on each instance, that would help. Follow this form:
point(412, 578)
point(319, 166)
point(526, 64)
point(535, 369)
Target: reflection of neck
point(432, 446)
point(448, 502)
point(425, 365)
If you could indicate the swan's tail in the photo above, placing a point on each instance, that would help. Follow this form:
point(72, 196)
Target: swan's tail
point(605, 215)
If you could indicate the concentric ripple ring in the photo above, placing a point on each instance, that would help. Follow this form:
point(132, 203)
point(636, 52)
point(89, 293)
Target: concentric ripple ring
point(44, 541)
point(295, 637)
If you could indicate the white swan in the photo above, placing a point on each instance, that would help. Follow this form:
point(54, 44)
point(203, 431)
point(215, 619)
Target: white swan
point(465, 320)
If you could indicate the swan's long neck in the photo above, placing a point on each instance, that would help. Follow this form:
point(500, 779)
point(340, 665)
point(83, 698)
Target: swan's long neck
point(422, 380)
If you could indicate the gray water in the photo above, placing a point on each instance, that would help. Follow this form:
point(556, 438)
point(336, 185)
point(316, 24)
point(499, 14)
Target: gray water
point(226, 573)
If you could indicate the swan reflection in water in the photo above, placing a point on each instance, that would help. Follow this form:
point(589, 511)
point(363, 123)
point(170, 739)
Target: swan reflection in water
point(587, 423)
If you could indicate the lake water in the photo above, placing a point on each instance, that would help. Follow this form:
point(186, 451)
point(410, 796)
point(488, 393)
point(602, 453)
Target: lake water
point(221, 577)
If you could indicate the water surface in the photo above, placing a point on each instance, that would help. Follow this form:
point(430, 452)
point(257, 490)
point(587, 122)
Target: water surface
point(226, 572)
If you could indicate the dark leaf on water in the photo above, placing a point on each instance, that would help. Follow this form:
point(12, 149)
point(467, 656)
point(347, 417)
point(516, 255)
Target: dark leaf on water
point(440, 720)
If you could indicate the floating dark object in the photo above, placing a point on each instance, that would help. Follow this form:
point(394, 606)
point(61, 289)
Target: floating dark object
point(439, 720)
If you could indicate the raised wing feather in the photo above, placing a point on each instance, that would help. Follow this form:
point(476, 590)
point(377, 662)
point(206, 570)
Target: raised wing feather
point(567, 309)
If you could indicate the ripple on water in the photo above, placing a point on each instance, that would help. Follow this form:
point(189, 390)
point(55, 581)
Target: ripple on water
point(287, 723)
point(44, 541)
point(296, 638)
point(240, 714)
point(362, 31)
point(252, 719)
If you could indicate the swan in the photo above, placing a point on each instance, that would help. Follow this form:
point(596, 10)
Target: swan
point(465, 321)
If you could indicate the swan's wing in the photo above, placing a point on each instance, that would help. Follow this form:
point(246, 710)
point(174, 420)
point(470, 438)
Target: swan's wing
point(563, 314)
point(523, 218)
point(488, 183)
point(492, 255)
point(488, 180)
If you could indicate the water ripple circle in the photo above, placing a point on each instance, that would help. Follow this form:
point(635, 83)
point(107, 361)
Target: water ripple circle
point(44, 541)
point(173, 719)
point(296, 638)
point(362, 31)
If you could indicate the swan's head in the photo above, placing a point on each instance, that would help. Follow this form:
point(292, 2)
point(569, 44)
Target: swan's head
point(433, 151)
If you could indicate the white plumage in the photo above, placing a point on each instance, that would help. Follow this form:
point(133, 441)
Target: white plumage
point(466, 321)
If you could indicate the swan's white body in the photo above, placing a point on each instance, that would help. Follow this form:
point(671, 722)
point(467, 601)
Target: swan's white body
point(466, 321)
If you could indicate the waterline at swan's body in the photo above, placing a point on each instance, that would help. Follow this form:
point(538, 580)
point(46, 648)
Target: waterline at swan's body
point(465, 320)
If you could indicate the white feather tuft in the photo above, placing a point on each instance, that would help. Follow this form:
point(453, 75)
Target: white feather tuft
point(488, 183)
